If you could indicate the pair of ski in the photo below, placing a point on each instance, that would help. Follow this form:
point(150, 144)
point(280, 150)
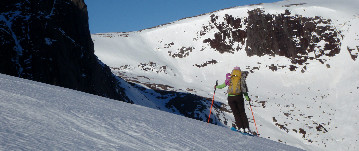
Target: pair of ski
point(234, 129)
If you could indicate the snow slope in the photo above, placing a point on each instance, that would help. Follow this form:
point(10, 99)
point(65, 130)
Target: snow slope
point(37, 116)
point(313, 107)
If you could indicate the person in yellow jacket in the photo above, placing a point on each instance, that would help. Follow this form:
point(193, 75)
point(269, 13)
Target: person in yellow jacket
point(237, 88)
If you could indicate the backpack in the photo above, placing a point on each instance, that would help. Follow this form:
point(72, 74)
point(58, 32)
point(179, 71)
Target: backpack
point(235, 83)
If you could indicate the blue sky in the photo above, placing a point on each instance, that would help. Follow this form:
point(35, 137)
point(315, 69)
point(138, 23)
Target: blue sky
point(134, 15)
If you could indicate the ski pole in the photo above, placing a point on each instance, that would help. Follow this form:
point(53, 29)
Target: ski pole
point(253, 116)
point(214, 93)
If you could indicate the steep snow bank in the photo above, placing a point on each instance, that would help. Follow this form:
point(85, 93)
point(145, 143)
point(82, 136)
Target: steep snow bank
point(37, 116)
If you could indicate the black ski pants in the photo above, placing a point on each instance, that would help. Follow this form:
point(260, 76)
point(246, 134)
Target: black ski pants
point(237, 105)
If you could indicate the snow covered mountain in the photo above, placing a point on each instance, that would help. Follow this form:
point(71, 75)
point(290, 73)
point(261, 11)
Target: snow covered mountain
point(49, 41)
point(302, 58)
point(37, 116)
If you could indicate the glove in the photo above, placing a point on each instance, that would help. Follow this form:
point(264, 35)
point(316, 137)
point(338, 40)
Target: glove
point(246, 96)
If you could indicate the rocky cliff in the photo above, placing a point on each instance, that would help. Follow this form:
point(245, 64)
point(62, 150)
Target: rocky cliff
point(284, 34)
point(50, 42)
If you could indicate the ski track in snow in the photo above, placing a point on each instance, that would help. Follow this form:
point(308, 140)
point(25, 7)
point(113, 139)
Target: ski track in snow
point(37, 116)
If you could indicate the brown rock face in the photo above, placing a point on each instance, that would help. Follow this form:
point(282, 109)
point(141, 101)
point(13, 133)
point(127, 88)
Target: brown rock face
point(292, 36)
point(50, 42)
point(228, 30)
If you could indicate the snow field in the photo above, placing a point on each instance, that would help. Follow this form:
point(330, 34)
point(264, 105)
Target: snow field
point(37, 116)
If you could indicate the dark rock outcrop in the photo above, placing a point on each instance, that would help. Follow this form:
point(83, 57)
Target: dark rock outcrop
point(292, 36)
point(353, 53)
point(289, 35)
point(49, 41)
point(229, 30)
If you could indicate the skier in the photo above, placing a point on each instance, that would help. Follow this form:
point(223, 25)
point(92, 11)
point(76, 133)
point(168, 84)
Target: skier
point(237, 87)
